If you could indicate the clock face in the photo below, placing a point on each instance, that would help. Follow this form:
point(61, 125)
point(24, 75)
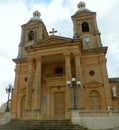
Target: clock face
point(87, 39)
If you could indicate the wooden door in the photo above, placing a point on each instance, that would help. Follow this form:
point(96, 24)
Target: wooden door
point(59, 105)
point(95, 103)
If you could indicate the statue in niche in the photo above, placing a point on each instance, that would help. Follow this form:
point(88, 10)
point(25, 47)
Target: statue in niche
point(114, 91)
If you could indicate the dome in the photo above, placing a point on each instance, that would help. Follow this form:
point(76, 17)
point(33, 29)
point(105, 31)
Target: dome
point(36, 16)
point(82, 7)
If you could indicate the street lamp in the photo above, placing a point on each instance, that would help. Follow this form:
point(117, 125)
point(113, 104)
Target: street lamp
point(73, 84)
point(9, 90)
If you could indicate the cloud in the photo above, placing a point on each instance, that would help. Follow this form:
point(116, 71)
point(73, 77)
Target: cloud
point(55, 15)
point(12, 16)
point(30, 3)
point(4, 54)
point(5, 2)
point(108, 25)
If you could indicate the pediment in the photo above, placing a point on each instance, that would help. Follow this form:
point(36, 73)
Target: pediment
point(93, 84)
point(53, 40)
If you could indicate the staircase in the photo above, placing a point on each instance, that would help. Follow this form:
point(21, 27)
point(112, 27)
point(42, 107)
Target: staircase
point(41, 125)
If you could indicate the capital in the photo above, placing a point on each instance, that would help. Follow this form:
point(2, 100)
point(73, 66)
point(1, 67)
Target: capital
point(66, 54)
point(38, 58)
point(77, 53)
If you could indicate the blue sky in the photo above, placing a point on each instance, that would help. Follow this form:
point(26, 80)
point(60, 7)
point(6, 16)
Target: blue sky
point(29, 3)
point(55, 14)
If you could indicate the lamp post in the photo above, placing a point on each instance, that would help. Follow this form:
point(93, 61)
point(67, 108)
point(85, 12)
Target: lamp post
point(9, 90)
point(73, 84)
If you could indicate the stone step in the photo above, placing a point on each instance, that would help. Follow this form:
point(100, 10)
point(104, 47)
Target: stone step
point(41, 125)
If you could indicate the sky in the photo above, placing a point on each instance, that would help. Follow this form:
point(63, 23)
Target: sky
point(55, 14)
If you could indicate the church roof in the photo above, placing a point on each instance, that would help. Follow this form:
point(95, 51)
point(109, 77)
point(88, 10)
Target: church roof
point(114, 80)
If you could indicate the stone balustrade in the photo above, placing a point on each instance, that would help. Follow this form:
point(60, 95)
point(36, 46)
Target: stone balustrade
point(98, 113)
point(96, 120)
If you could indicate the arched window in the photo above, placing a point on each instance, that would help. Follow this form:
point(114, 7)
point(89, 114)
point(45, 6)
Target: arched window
point(94, 98)
point(85, 27)
point(31, 35)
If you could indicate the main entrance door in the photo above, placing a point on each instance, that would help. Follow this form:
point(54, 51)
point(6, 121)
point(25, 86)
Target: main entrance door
point(59, 105)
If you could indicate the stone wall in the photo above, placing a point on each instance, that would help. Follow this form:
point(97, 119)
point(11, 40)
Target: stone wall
point(96, 120)
point(4, 117)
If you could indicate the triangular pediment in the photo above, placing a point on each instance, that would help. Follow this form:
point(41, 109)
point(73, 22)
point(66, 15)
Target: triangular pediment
point(53, 40)
point(93, 84)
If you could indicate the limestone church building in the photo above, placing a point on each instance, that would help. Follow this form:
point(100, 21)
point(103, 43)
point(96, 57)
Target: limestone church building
point(55, 75)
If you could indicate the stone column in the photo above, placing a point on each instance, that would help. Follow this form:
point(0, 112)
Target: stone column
point(15, 98)
point(38, 84)
point(80, 96)
point(68, 77)
point(29, 85)
point(105, 80)
point(48, 102)
point(77, 66)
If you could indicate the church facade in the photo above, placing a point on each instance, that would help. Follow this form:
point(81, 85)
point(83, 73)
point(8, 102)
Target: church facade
point(55, 75)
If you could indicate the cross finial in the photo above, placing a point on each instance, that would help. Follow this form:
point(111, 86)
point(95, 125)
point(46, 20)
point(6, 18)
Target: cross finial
point(53, 31)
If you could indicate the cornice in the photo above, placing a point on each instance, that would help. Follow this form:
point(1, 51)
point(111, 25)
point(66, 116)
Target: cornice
point(20, 60)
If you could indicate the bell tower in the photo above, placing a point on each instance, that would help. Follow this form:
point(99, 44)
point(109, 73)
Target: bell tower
point(32, 32)
point(85, 27)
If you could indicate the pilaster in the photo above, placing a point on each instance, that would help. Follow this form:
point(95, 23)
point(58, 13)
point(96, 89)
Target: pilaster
point(14, 100)
point(29, 84)
point(79, 78)
point(68, 77)
point(38, 84)
point(48, 102)
point(105, 80)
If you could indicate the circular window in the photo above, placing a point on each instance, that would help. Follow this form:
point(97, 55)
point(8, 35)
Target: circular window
point(91, 73)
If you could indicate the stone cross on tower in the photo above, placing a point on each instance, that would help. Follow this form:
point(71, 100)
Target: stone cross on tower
point(53, 31)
